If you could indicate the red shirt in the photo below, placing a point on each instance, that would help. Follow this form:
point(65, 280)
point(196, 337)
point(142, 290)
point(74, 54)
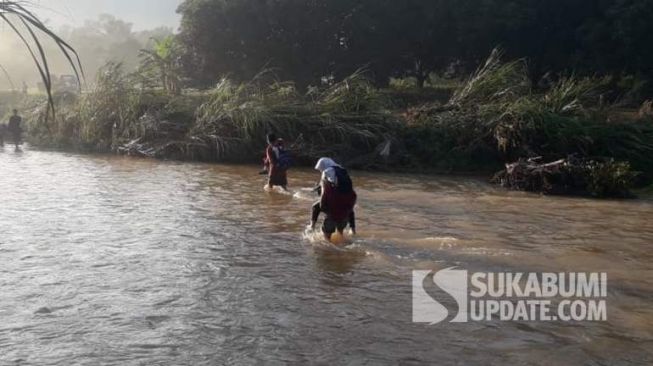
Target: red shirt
point(337, 205)
point(276, 174)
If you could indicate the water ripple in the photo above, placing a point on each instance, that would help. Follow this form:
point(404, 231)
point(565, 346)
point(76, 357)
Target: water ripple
point(116, 261)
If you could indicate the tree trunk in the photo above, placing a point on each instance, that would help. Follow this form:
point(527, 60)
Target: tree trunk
point(421, 80)
point(420, 74)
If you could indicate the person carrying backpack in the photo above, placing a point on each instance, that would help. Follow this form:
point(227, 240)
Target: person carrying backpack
point(284, 156)
point(277, 162)
point(337, 199)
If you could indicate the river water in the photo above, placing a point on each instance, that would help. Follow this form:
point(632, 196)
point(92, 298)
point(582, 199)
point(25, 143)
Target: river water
point(117, 261)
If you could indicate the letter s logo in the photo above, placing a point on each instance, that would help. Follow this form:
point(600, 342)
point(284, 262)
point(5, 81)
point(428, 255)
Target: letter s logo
point(431, 290)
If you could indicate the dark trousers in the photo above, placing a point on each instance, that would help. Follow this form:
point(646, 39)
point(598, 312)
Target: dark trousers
point(330, 226)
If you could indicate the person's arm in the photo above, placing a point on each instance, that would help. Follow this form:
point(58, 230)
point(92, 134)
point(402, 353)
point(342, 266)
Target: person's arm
point(324, 199)
point(272, 156)
point(315, 214)
point(352, 215)
point(318, 188)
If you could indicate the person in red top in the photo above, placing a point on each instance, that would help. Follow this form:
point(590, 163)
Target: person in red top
point(337, 199)
point(277, 174)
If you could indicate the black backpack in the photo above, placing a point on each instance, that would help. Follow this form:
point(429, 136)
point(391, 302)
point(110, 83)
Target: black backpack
point(285, 160)
point(345, 185)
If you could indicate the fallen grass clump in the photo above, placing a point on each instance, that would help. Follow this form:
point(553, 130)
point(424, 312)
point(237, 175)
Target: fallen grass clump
point(228, 123)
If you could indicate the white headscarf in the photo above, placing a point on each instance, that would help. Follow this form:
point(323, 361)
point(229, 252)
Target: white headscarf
point(326, 165)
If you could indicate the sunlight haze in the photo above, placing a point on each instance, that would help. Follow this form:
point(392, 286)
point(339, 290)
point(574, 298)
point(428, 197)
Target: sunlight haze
point(143, 14)
point(101, 31)
point(326, 182)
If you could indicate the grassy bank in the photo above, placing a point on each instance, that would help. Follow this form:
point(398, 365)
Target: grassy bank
point(348, 120)
point(497, 116)
point(493, 118)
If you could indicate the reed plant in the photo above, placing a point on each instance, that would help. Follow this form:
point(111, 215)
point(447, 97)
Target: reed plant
point(344, 120)
point(226, 123)
point(499, 116)
point(494, 118)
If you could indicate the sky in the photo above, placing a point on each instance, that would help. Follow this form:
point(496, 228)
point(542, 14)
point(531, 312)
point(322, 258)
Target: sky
point(144, 14)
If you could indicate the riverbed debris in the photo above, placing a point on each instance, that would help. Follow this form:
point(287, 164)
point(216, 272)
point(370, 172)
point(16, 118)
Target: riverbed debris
point(570, 176)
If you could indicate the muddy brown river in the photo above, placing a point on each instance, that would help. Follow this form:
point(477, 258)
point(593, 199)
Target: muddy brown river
point(117, 261)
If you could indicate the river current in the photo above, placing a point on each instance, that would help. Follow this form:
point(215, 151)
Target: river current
point(118, 261)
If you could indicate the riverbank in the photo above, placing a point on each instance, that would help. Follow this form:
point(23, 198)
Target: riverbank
point(494, 118)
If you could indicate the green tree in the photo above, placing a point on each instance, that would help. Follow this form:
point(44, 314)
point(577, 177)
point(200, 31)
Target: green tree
point(241, 38)
point(162, 63)
point(308, 40)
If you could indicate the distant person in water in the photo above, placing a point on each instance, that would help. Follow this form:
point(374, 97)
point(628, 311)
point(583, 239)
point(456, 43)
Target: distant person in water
point(337, 199)
point(276, 163)
point(14, 128)
point(3, 131)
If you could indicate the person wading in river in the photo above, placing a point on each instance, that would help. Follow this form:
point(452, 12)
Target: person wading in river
point(337, 199)
point(276, 163)
point(3, 131)
point(14, 128)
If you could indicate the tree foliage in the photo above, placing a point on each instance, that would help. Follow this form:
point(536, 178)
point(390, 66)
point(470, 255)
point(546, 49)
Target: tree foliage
point(311, 41)
point(160, 65)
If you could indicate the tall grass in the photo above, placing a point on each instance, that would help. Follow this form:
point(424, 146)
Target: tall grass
point(226, 123)
point(345, 120)
point(494, 81)
point(497, 115)
point(88, 121)
point(494, 118)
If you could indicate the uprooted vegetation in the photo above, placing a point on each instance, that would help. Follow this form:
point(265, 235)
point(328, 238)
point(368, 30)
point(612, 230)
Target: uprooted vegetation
point(227, 123)
point(494, 118)
point(345, 120)
point(596, 178)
